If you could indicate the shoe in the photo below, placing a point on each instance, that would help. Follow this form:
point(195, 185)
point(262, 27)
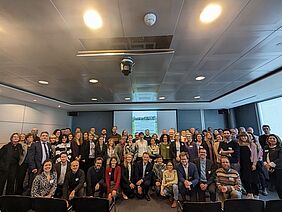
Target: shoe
point(256, 196)
point(124, 196)
point(174, 204)
point(264, 192)
point(147, 197)
point(250, 196)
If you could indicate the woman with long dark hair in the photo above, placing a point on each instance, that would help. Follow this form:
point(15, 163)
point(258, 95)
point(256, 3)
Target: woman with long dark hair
point(272, 160)
point(45, 183)
point(248, 164)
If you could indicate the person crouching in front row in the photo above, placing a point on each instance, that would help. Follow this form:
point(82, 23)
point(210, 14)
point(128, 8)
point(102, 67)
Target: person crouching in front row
point(169, 185)
point(74, 182)
point(143, 176)
point(113, 175)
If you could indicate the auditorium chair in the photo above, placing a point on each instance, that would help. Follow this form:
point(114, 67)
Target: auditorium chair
point(15, 203)
point(273, 206)
point(200, 207)
point(41, 204)
point(243, 205)
point(82, 204)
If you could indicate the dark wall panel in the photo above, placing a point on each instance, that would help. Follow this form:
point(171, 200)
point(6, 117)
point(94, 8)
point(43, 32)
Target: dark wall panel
point(213, 119)
point(99, 120)
point(246, 116)
point(188, 118)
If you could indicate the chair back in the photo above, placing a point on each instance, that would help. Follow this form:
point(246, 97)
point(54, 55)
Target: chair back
point(243, 205)
point(273, 206)
point(15, 203)
point(82, 204)
point(201, 207)
point(41, 204)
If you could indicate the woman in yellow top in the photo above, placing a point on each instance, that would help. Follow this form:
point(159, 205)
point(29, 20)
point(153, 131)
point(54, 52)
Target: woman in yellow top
point(169, 185)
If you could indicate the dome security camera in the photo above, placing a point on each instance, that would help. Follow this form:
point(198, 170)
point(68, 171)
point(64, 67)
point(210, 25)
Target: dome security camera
point(126, 65)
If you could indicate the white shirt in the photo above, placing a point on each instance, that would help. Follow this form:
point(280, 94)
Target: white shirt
point(62, 175)
point(141, 147)
point(177, 144)
point(44, 156)
point(186, 172)
point(129, 171)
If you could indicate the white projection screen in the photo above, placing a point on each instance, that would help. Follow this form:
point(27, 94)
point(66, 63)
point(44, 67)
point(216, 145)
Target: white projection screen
point(138, 121)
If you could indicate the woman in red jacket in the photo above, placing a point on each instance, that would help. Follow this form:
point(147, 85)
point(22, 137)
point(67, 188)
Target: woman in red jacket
point(113, 175)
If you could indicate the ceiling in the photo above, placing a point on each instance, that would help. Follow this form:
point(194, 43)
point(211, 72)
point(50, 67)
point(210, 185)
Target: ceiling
point(40, 41)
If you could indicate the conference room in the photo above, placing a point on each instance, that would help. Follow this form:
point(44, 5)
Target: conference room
point(159, 67)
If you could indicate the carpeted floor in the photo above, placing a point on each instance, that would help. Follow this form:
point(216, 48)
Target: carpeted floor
point(158, 204)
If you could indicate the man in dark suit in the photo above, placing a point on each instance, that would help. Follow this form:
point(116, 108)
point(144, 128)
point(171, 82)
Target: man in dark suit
point(143, 176)
point(96, 178)
point(62, 168)
point(74, 182)
point(39, 152)
point(206, 170)
point(188, 177)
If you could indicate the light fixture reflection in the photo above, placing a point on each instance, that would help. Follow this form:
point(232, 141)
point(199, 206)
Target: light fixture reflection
point(210, 13)
point(92, 19)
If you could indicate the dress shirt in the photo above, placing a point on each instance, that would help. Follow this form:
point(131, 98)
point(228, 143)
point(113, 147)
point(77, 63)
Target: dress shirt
point(45, 153)
point(63, 174)
point(144, 169)
point(129, 171)
point(203, 177)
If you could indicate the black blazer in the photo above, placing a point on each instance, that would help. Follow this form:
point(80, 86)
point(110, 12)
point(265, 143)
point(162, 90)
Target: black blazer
point(7, 156)
point(85, 150)
point(275, 155)
point(172, 149)
point(125, 175)
point(139, 171)
point(101, 153)
point(57, 167)
point(210, 170)
point(35, 155)
point(93, 177)
point(73, 182)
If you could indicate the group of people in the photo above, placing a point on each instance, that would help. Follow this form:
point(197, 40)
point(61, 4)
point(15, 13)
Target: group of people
point(195, 166)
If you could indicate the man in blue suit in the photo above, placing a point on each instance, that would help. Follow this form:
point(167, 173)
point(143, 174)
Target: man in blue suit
point(188, 177)
point(39, 152)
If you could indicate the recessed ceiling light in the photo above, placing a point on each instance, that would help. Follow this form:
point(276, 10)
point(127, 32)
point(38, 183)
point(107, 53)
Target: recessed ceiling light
point(93, 80)
point(127, 98)
point(92, 19)
point(210, 13)
point(59, 105)
point(161, 98)
point(197, 97)
point(94, 99)
point(199, 78)
point(35, 100)
point(43, 82)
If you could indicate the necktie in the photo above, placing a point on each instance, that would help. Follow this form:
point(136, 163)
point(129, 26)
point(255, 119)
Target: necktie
point(46, 150)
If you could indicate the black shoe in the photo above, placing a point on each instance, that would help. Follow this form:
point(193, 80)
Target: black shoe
point(147, 197)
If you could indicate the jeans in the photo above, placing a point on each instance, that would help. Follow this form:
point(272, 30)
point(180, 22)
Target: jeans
point(171, 191)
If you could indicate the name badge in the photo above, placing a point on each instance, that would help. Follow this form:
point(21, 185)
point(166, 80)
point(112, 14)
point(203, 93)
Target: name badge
point(110, 173)
point(266, 150)
point(209, 172)
point(167, 147)
point(230, 148)
point(147, 172)
point(51, 181)
point(190, 146)
point(77, 179)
